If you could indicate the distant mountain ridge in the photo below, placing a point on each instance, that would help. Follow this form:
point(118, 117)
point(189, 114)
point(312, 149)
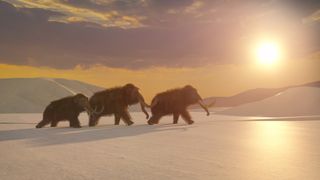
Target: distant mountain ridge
point(252, 95)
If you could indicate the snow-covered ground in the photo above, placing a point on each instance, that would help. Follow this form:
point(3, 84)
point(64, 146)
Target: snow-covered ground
point(215, 147)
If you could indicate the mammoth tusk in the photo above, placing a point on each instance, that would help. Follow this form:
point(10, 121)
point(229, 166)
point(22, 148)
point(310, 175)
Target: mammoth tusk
point(88, 111)
point(204, 107)
point(95, 110)
point(212, 103)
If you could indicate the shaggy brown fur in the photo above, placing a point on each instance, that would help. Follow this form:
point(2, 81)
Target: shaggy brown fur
point(116, 101)
point(67, 108)
point(174, 102)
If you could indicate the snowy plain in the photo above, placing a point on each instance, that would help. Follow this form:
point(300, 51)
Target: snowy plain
point(215, 147)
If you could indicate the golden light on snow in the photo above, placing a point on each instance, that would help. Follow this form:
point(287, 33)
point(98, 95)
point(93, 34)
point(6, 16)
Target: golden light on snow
point(271, 136)
point(268, 53)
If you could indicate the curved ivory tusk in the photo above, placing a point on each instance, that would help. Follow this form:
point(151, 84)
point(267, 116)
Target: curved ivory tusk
point(88, 111)
point(94, 111)
point(204, 107)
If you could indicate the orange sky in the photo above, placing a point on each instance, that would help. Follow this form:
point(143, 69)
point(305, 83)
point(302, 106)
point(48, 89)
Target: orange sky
point(159, 45)
point(213, 80)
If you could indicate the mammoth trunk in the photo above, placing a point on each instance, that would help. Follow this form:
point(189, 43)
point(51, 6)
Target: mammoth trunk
point(143, 105)
point(204, 107)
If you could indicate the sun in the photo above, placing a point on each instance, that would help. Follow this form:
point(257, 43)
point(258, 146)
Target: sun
point(268, 53)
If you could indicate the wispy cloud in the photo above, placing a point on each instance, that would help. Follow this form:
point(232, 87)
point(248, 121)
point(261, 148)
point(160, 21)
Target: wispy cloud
point(111, 18)
point(313, 18)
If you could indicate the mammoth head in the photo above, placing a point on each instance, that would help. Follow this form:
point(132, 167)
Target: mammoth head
point(192, 96)
point(131, 92)
point(133, 96)
point(83, 102)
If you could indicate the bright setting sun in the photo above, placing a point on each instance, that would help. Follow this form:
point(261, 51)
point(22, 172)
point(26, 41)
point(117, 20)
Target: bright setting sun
point(268, 53)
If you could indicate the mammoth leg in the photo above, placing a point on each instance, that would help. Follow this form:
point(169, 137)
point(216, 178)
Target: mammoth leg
point(175, 118)
point(42, 123)
point(54, 123)
point(46, 119)
point(126, 117)
point(74, 122)
point(186, 116)
point(154, 119)
point(117, 118)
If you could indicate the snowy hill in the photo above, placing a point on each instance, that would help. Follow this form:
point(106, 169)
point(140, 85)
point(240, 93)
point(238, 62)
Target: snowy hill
point(30, 95)
point(296, 101)
point(252, 95)
point(248, 96)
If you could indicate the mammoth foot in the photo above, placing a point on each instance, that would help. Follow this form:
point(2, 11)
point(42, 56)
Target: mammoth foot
point(75, 126)
point(130, 123)
point(93, 123)
point(190, 122)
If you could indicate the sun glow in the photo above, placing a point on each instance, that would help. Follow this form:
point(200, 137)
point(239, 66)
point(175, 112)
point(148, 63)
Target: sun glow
point(272, 136)
point(268, 53)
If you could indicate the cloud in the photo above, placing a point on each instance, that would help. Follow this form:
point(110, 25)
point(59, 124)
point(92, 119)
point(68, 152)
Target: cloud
point(313, 18)
point(142, 33)
point(83, 13)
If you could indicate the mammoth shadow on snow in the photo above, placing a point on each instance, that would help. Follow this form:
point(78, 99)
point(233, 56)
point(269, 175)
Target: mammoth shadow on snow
point(54, 136)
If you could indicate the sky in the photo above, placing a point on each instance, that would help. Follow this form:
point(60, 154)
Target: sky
point(161, 44)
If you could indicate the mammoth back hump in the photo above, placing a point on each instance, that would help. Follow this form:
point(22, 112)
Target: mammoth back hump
point(108, 96)
point(61, 106)
point(169, 99)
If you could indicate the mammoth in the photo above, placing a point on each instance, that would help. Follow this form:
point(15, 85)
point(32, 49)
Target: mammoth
point(175, 102)
point(67, 108)
point(116, 101)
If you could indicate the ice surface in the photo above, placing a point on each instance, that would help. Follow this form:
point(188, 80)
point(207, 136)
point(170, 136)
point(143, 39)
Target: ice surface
point(215, 147)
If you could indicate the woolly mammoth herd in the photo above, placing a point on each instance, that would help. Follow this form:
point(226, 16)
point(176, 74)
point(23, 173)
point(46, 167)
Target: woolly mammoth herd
point(115, 101)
